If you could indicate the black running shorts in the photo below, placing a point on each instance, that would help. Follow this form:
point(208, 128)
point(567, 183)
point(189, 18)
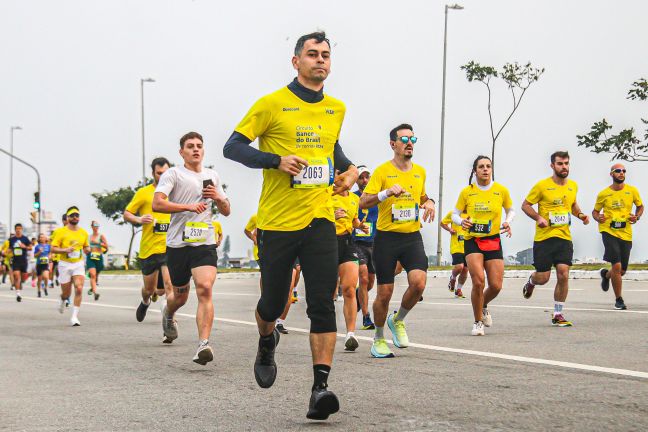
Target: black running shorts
point(551, 252)
point(40, 268)
point(152, 263)
point(346, 249)
point(182, 260)
point(616, 250)
point(458, 258)
point(390, 247)
point(365, 254)
point(19, 265)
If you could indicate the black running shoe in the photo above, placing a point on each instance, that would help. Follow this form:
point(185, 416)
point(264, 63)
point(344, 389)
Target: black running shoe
point(605, 282)
point(620, 304)
point(140, 314)
point(281, 329)
point(323, 403)
point(18, 298)
point(39, 294)
point(527, 289)
point(265, 367)
point(96, 296)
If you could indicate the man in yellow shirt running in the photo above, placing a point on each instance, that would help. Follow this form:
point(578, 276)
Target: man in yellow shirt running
point(552, 245)
point(298, 128)
point(71, 243)
point(613, 212)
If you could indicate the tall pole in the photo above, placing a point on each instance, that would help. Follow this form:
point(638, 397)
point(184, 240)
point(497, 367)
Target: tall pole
point(38, 181)
point(443, 91)
point(11, 139)
point(142, 81)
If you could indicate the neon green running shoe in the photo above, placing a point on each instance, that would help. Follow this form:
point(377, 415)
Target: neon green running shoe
point(380, 349)
point(399, 335)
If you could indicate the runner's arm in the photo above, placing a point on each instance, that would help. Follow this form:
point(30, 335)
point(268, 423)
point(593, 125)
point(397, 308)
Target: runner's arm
point(639, 211)
point(250, 235)
point(528, 210)
point(162, 205)
point(510, 215)
point(238, 149)
point(131, 218)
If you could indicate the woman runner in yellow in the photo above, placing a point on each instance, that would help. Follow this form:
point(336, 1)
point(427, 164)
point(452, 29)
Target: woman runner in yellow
point(483, 201)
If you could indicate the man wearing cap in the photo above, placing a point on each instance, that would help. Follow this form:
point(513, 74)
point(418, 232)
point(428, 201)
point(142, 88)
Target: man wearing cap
point(71, 243)
point(364, 245)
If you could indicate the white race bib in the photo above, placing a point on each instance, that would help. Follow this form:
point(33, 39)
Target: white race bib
point(403, 213)
point(18, 252)
point(74, 254)
point(559, 218)
point(360, 233)
point(195, 232)
point(318, 174)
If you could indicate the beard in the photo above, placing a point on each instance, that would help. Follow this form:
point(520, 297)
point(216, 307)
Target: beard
point(562, 174)
point(409, 156)
point(617, 181)
point(75, 223)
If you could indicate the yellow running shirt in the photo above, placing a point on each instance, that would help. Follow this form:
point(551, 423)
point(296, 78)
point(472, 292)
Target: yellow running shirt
point(218, 229)
point(6, 250)
point(286, 125)
point(554, 205)
point(484, 207)
point(154, 234)
point(55, 257)
point(350, 204)
point(617, 206)
point(251, 226)
point(66, 238)
point(398, 214)
point(456, 240)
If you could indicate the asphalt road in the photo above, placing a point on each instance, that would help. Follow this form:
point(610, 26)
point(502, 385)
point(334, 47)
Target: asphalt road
point(113, 373)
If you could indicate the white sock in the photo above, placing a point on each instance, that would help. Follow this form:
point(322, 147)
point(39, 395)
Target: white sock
point(453, 277)
point(350, 334)
point(75, 311)
point(280, 321)
point(147, 302)
point(459, 285)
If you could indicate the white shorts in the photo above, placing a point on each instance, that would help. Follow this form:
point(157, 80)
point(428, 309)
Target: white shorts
point(67, 270)
point(31, 266)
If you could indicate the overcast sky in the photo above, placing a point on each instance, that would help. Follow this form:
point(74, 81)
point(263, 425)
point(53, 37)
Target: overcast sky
point(71, 75)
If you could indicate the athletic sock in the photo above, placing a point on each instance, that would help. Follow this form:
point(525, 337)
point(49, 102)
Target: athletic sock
point(320, 376)
point(402, 313)
point(146, 303)
point(530, 282)
point(380, 333)
point(203, 342)
point(350, 334)
point(280, 321)
point(459, 285)
point(558, 307)
point(75, 311)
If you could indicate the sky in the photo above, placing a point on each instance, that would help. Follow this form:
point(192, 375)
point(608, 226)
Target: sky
point(71, 78)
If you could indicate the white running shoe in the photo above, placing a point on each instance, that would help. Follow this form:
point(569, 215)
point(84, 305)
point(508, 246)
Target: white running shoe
point(204, 354)
point(487, 318)
point(478, 329)
point(74, 321)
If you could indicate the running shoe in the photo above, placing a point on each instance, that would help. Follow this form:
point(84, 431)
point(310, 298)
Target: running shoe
point(478, 329)
point(560, 321)
point(154, 297)
point(74, 321)
point(487, 319)
point(166, 340)
point(265, 367)
point(57, 282)
point(459, 293)
point(39, 294)
point(451, 284)
point(140, 313)
point(605, 282)
point(90, 291)
point(367, 324)
point(323, 403)
point(620, 304)
point(204, 354)
point(421, 299)
point(281, 329)
point(96, 296)
point(380, 349)
point(45, 291)
point(399, 335)
point(61, 307)
point(169, 326)
point(350, 343)
point(33, 283)
point(18, 297)
point(527, 290)
point(67, 302)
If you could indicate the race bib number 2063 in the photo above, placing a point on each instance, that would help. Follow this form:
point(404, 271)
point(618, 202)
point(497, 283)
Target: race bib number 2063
point(318, 174)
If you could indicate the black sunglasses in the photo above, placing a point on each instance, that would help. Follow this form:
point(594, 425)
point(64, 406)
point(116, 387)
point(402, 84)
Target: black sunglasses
point(619, 171)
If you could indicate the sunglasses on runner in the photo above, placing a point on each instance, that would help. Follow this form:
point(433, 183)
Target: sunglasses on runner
point(618, 171)
point(74, 215)
point(406, 139)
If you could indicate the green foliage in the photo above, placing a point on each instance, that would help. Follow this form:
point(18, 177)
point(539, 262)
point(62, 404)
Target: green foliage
point(518, 78)
point(624, 145)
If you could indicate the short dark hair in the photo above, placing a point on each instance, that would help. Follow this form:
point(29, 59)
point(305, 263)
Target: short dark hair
point(18, 225)
point(393, 134)
point(160, 162)
point(319, 37)
point(188, 136)
point(559, 154)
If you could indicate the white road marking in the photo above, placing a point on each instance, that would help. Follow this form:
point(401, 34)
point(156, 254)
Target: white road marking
point(520, 359)
point(466, 303)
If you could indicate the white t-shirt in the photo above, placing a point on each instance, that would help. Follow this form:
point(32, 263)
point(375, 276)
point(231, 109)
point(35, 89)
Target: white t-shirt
point(183, 186)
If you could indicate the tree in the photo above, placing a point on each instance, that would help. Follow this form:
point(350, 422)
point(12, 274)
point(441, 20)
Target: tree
point(624, 145)
point(112, 204)
point(517, 77)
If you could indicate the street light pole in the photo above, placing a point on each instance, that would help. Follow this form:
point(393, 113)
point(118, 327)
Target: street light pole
point(11, 139)
point(38, 182)
point(443, 90)
point(142, 81)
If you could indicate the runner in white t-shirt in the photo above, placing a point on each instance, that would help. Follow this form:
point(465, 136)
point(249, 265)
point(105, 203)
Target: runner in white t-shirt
point(188, 193)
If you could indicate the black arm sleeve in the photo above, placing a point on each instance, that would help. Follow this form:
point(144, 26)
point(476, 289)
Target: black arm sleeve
point(238, 148)
point(341, 162)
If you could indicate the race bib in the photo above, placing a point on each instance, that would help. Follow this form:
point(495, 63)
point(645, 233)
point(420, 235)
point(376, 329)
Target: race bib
point(160, 228)
point(43, 260)
point(460, 238)
point(559, 218)
point(360, 233)
point(74, 254)
point(318, 174)
point(195, 232)
point(95, 256)
point(618, 223)
point(18, 252)
point(406, 212)
point(481, 226)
